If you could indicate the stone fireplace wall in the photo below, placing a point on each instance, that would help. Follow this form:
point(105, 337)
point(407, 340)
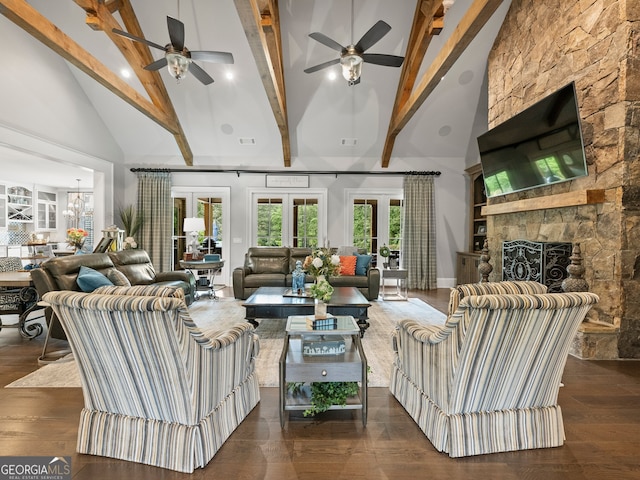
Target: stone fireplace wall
point(543, 46)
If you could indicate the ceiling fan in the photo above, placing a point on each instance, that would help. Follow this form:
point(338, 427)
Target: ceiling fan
point(353, 56)
point(179, 58)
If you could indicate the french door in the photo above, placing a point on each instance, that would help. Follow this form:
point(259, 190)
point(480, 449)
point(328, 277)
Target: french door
point(375, 219)
point(288, 218)
point(211, 204)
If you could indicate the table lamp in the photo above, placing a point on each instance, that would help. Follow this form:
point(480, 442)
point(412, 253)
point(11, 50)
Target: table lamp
point(193, 225)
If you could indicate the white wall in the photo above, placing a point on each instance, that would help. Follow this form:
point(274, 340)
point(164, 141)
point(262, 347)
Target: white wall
point(451, 206)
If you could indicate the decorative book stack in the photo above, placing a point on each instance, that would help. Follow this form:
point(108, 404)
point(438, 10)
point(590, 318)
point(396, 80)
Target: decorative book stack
point(323, 345)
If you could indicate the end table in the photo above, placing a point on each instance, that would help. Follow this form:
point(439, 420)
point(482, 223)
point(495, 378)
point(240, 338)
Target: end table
point(399, 291)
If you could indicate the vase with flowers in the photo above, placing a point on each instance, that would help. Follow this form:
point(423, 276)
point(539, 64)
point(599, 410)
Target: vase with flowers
point(76, 237)
point(321, 264)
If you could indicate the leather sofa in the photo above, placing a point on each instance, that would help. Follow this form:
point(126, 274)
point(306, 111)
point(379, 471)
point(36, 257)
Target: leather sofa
point(61, 273)
point(273, 267)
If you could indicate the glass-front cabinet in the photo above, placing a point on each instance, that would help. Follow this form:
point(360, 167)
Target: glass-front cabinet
point(47, 210)
point(19, 204)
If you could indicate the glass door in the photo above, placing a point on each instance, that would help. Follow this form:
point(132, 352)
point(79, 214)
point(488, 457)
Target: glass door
point(285, 218)
point(212, 205)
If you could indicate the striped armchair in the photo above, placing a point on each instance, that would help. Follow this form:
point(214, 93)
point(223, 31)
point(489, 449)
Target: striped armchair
point(487, 381)
point(156, 389)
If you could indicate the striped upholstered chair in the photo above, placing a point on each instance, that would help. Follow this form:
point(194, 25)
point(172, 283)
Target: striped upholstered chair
point(487, 288)
point(488, 380)
point(156, 389)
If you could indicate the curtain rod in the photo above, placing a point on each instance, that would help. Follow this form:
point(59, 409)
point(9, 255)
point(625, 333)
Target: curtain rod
point(238, 171)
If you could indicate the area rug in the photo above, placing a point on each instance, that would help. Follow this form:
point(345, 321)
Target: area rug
point(221, 314)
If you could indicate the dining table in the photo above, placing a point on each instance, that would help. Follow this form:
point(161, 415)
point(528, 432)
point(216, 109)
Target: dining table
point(29, 299)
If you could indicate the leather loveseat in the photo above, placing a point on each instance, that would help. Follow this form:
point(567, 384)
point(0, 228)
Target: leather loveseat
point(273, 267)
point(61, 273)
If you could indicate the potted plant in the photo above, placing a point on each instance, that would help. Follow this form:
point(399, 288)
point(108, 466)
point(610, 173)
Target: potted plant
point(384, 253)
point(325, 394)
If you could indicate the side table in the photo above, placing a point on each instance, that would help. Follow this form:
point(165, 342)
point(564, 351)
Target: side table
point(350, 366)
point(212, 269)
point(398, 291)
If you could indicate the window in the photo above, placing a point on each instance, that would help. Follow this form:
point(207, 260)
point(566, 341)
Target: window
point(395, 224)
point(305, 222)
point(288, 218)
point(376, 219)
point(365, 224)
point(269, 222)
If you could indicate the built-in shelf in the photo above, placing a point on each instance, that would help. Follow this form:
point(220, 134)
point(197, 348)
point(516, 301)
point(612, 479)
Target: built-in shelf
point(569, 199)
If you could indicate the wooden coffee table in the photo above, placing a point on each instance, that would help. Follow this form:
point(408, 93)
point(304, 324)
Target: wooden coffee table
point(271, 302)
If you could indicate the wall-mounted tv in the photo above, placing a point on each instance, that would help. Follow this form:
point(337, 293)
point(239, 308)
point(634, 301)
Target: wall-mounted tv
point(539, 146)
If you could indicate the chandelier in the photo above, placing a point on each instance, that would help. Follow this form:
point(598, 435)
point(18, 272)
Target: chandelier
point(75, 209)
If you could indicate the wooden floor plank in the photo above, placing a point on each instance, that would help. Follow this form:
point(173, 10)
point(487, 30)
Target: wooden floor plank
point(600, 402)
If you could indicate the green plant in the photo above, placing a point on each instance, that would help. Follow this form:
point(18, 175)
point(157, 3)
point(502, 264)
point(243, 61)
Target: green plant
point(131, 220)
point(385, 251)
point(325, 394)
point(321, 290)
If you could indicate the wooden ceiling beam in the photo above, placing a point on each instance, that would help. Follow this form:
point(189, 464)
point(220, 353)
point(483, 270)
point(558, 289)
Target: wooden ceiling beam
point(137, 54)
point(39, 27)
point(470, 25)
point(261, 23)
point(427, 21)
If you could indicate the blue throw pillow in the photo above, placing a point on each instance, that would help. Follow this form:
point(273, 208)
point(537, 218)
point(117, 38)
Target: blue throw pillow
point(362, 264)
point(90, 279)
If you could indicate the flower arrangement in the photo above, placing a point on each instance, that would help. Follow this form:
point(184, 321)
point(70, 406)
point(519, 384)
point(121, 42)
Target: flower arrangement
point(322, 262)
point(76, 236)
point(130, 243)
point(321, 290)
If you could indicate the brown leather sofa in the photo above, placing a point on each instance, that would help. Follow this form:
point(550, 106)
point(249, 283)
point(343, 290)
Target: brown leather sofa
point(61, 273)
point(272, 267)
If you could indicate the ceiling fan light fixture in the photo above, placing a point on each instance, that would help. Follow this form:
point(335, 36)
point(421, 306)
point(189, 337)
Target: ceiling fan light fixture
point(177, 64)
point(351, 64)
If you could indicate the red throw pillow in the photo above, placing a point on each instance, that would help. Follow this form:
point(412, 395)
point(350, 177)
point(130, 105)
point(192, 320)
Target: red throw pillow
point(348, 265)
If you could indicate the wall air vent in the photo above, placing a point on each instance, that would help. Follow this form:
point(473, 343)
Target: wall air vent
point(348, 142)
point(247, 141)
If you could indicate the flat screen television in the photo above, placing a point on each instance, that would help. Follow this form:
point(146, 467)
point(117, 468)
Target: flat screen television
point(539, 146)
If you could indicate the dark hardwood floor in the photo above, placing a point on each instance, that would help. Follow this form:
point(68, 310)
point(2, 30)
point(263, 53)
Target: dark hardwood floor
point(600, 403)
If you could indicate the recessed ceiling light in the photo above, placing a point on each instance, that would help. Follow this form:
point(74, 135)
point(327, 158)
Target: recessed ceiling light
point(126, 73)
point(332, 75)
point(229, 75)
point(247, 141)
point(349, 142)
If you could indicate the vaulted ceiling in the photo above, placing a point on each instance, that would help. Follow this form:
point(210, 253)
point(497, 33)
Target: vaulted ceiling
point(269, 113)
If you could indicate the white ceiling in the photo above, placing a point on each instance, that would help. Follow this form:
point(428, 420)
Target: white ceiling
point(321, 112)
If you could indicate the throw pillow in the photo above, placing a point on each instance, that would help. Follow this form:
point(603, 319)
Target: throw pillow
point(118, 278)
point(348, 265)
point(90, 279)
point(362, 264)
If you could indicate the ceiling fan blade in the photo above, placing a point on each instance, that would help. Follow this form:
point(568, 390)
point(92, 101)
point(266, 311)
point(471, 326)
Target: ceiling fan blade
point(380, 59)
point(214, 57)
point(375, 33)
point(137, 39)
point(176, 33)
point(322, 65)
point(157, 65)
point(323, 39)
point(200, 74)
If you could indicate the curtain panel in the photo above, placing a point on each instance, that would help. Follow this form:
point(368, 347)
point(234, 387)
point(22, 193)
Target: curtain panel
point(154, 201)
point(419, 234)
